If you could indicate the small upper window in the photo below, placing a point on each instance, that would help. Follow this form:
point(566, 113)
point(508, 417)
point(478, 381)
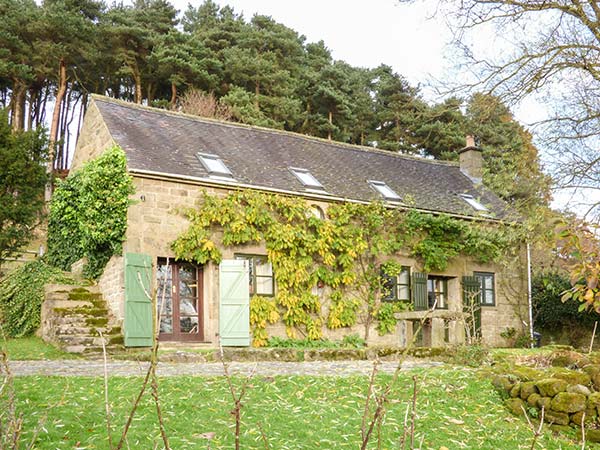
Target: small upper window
point(306, 178)
point(213, 164)
point(472, 202)
point(317, 212)
point(386, 191)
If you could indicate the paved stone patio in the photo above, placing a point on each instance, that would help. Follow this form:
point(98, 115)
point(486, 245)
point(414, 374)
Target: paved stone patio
point(80, 367)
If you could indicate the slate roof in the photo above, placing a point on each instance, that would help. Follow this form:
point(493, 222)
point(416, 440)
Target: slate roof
point(160, 141)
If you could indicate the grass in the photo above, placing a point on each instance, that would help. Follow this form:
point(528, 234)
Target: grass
point(456, 409)
point(32, 348)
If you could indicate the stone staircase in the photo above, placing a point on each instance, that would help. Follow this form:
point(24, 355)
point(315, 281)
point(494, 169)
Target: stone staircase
point(77, 319)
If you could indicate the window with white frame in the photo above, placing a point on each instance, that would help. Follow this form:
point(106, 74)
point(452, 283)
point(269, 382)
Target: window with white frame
point(214, 165)
point(475, 204)
point(384, 190)
point(260, 270)
point(397, 288)
point(306, 178)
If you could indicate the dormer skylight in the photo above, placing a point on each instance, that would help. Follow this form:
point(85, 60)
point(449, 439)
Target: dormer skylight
point(384, 190)
point(473, 202)
point(306, 178)
point(214, 165)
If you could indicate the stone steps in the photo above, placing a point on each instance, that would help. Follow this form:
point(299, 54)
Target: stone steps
point(75, 317)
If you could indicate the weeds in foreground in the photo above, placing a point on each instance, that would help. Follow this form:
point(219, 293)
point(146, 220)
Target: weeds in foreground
point(11, 420)
point(237, 397)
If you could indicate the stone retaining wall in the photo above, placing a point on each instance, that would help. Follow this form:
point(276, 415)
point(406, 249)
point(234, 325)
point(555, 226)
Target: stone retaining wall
point(568, 398)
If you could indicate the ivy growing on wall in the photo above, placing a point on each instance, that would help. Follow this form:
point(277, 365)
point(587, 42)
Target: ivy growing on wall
point(21, 296)
point(88, 214)
point(345, 251)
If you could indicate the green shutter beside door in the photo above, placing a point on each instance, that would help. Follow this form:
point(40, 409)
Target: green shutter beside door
point(419, 291)
point(138, 301)
point(472, 303)
point(234, 311)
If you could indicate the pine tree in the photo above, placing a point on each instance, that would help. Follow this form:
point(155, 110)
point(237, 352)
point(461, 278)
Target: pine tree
point(22, 181)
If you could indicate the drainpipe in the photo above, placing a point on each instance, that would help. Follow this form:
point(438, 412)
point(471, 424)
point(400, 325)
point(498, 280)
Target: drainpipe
point(529, 300)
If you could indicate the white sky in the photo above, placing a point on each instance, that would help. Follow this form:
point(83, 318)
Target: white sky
point(364, 34)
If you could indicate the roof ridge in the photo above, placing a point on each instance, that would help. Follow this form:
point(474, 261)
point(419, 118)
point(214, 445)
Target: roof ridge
point(354, 147)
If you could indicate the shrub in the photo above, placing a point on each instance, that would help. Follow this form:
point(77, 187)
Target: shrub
point(88, 214)
point(548, 309)
point(21, 296)
point(471, 355)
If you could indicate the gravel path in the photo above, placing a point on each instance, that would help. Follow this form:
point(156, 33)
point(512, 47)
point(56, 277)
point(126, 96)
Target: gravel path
point(166, 369)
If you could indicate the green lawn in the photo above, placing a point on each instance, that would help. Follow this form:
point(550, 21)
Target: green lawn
point(32, 348)
point(456, 409)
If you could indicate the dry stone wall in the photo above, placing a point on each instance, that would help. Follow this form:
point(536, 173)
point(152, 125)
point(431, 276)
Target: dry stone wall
point(565, 398)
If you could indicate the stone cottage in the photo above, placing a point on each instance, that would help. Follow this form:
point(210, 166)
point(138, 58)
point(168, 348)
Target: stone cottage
point(173, 158)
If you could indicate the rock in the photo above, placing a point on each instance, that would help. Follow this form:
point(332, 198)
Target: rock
point(579, 389)
point(592, 435)
point(558, 418)
point(515, 406)
point(527, 373)
point(533, 399)
point(527, 388)
point(571, 376)
point(504, 383)
point(516, 390)
point(569, 359)
point(590, 416)
point(549, 387)
point(560, 428)
point(568, 402)
point(594, 400)
point(544, 402)
point(592, 369)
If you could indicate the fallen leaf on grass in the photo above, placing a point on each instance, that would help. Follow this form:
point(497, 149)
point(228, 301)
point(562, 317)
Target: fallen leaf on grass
point(456, 421)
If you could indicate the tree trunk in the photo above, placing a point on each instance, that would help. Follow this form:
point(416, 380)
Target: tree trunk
point(60, 94)
point(256, 94)
point(331, 124)
point(173, 95)
point(34, 94)
point(18, 105)
point(137, 79)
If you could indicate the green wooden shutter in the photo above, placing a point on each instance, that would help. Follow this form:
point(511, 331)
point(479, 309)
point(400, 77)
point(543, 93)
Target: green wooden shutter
point(419, 291)
point(234, 312)
point(472, 303)
point(138, 301)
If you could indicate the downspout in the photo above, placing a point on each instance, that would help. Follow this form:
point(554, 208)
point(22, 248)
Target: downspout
point(529, 300)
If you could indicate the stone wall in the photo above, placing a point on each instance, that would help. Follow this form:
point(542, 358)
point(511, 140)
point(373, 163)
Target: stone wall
point(93, 140)
point(155, 220)
point(112, 286)
point(566, 398)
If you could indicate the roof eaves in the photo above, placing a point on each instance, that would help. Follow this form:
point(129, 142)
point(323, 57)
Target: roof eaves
point(222, 183)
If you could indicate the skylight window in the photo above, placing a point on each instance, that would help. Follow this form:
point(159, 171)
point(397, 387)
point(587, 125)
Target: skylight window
point(386, 192)
point(306, 178)
point(214, 165)
point(472, 202)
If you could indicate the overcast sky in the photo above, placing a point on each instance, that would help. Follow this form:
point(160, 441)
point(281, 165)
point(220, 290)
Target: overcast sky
point(367, 34)
point(364, 34)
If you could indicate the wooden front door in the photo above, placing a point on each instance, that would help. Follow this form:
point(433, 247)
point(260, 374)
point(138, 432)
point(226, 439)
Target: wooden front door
point(179, 301)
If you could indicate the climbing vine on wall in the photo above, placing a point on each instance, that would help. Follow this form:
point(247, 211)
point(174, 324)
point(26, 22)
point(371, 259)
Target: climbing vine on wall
point(345, 252)
point(88, 213)
point(22, 294)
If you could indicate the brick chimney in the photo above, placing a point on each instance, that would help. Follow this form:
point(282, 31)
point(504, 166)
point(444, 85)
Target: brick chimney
point(471, 160)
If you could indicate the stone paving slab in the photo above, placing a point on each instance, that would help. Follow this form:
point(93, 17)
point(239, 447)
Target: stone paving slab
point(264, 368)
